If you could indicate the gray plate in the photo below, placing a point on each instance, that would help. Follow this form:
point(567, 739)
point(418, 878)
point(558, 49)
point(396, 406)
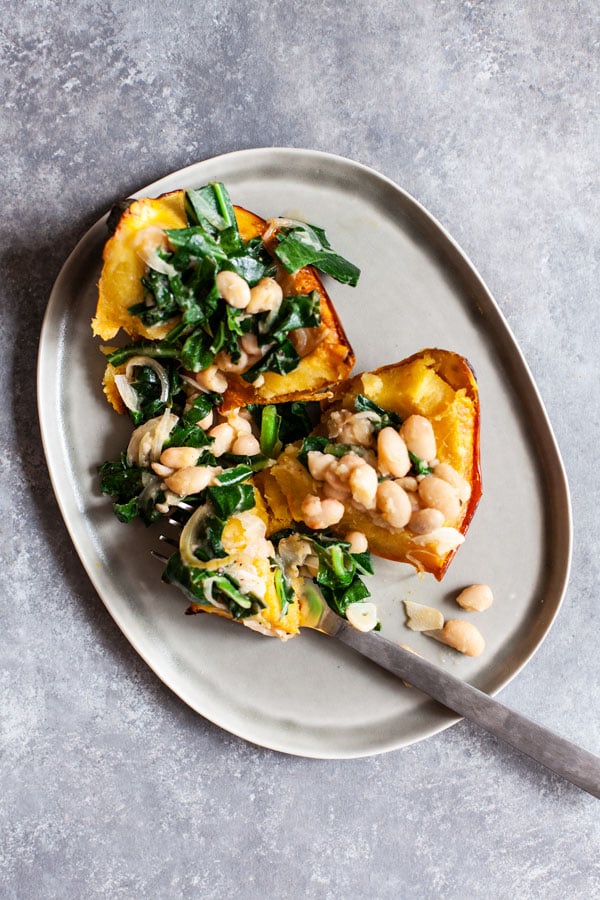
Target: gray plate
point(417, 289)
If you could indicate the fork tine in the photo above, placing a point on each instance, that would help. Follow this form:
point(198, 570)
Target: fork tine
point(159, 556)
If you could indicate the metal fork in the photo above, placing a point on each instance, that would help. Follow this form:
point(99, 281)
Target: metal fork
point(561, 756)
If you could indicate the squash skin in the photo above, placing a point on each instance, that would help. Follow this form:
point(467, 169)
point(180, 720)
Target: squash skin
point(120, 287)
point(435, 383)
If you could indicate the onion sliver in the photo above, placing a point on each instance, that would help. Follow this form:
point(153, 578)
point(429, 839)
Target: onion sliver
point(143, 441)
point(138, 361)
point(147, 243)
point(129, 397)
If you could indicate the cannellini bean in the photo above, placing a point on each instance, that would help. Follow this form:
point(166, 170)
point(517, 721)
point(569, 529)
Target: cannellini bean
point(437, 493)
point(476, 597)
point(233, 289)
point(161, 471)
point(211, 379)
point(190, 480)
point(347, 464)
point(393, 504)
point(318, 463)
point(424, 521)
point(449, 474)
point(265, 296)
point(337, 490)
point(179, 457)
point(392, 453)
point(358, 542)
point(224, 436)
point(363, 485)
point(207, 421)
point(239, 422)
point(245, 445)
point(318, 513)
point(306, 339)
point(462, 636)
point(409, 483)
point(418, 435)
point(250, 344)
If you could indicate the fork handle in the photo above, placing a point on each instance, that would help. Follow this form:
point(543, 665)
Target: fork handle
point(573, 763)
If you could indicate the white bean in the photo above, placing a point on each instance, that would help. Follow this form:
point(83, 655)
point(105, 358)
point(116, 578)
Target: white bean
point(393, 458)
point(318, 463)
point(179, 457)
point(233, 289)
point(409, 483)
point(462, 636)
point(418, 435)
point(319, 513)
point(449, 474)
point(476, 597)
point(424, 521)
point(437, 493)
point(190, 480)
point(265, 296)
point(224, 436)
point(245, 445)
point(250, 344)
point(358, 542)
point(211, 379)
point(393, 504)
point(363, 484)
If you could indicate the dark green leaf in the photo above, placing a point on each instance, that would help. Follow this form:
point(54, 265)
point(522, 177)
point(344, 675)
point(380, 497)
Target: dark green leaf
point(303, 245)
point(387, 418)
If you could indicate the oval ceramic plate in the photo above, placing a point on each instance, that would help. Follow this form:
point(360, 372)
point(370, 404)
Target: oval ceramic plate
point(310, 696)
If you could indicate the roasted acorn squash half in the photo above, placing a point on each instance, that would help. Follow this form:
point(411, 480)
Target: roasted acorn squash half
point(326, 355)
point(435, 385)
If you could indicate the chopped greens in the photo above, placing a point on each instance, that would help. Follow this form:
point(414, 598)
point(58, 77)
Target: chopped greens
point(135, 490)
point(184, 286)
point(385, 417)
point(196, 583)
point(339, 570)
point(306, 245)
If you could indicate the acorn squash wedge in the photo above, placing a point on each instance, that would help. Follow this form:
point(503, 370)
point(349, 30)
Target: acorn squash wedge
point(326, 357)
point(435, 385)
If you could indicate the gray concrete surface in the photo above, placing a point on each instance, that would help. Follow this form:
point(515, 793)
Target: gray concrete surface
point(487, 112)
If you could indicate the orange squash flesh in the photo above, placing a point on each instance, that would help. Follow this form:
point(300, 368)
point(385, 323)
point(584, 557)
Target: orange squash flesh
point(436, 384)
point(329, 362)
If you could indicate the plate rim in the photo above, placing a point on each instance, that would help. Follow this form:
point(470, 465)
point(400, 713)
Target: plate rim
point(249, 155)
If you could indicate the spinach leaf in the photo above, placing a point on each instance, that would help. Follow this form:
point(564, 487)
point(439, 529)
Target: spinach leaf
point(155, 349)
point(195, 241)
point(228, 499)
point(187, 432)
point(270, 445)
point(282, 359)
point(127, 485)
point(148, 387)
point(235, 475)
point(284, 591)
point(326, 445)
point(192, 582)
point(295, 420)
point(304, 245)
point(299, 311)
point(419, 466)
point(386, 418)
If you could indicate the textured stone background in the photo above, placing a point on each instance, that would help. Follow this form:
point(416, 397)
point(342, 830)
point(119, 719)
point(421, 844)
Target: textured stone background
point(487, 112)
